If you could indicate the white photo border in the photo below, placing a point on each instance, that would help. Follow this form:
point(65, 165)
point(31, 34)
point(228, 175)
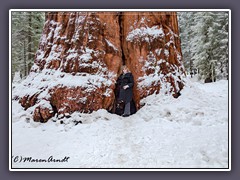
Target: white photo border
point(120, 169)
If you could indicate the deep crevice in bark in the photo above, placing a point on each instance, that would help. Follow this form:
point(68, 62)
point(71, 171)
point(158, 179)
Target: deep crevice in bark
point(120, 20)
point(118, 108)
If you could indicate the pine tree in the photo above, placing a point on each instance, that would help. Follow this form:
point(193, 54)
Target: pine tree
point(222, 46)
point(186, 34)
point(204, 38)
point(26, 32)
point(202, 45)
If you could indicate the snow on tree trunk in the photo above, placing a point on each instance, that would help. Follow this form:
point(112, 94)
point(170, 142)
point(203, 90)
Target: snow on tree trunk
point(81, 53)
point(153, 53)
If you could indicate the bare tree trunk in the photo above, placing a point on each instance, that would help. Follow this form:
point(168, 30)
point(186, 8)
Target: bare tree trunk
point(29, 44)
point(24, 58)
point(86, 44)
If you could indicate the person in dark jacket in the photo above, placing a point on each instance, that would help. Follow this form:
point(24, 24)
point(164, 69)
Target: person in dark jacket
point(125, 83)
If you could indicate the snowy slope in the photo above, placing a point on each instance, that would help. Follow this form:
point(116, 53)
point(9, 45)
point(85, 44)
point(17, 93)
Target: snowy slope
point(188, 132)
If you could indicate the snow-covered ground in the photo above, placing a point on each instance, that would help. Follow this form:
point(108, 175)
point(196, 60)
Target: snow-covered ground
point(188, 132)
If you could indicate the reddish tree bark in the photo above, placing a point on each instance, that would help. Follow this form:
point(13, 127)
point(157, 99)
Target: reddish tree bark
point(81, 53)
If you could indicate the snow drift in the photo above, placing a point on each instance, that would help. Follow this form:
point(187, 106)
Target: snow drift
point(188, 132)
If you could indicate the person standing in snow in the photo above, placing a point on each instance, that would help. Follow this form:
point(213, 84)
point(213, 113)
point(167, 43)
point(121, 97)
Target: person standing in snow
point(125, 83)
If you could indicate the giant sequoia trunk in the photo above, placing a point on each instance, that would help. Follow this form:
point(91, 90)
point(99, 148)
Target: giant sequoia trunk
point(81, 53)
